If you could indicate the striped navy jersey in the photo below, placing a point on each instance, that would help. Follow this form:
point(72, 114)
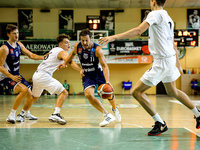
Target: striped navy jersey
point(13, 59)
point(88, 60)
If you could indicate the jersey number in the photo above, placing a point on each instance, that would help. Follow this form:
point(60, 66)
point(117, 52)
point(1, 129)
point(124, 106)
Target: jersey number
point(170, 25)
point(47, 56)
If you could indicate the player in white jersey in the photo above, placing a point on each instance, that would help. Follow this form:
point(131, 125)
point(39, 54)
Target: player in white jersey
point(161, 46)
point(42, 78)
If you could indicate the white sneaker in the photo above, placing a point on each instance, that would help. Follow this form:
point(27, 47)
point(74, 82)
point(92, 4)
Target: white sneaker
point(29, 116)
point(11, 118)
point(117, 115)
point(57, 118)
point(108, 119)
point(20, 118)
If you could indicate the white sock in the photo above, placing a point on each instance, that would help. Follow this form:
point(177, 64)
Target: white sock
point(22, 112)
point(57, 110)
point(157, 117)
point(196, 112)
point(13, 111)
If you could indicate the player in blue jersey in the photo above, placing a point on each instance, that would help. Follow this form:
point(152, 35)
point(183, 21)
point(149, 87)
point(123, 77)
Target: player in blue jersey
point(94, 71)
point(10, 76)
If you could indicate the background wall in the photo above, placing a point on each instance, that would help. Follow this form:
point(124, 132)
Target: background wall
point(45, 25)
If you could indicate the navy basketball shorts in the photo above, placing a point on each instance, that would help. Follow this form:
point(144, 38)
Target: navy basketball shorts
point(93, 80)
point(12, 84)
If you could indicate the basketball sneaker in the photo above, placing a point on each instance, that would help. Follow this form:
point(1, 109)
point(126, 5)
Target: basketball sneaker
point(29, 116)
point(20, 118)
point(158, 128)
point(57, 118)
point(198, 122)
point(117, 114)
point(11, 118)
point(108, 119)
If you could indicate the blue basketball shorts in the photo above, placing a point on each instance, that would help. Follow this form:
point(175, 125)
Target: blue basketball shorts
point(93, 80)
point(12, 84)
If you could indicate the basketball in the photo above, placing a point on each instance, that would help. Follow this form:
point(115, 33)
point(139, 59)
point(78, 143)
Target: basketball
point(104, 91)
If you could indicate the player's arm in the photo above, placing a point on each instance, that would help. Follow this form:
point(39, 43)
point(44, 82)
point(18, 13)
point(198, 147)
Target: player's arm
point(125, 35)
point(70, 57)
point(177, 60)
point(102, 61)
point(30, 54)
point(3, 55)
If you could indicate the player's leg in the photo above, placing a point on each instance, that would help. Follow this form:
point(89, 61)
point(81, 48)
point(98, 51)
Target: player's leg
point(138, 93)
point(22, 90)
point(89, 94)
point(111, 99)
point(115, 110)
point(54, 86)
point(184, 99)
point(25, 113)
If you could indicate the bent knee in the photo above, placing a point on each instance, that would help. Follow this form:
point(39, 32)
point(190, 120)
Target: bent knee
point(64, 92)
point(172, 93)
point(89, 96)
point(136, 93)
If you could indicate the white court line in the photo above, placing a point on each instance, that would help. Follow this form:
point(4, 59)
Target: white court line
point(133, 125)
point(192, 131)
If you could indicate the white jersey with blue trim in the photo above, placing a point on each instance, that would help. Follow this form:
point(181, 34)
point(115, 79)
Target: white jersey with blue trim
point(51, 62)
point(161, 34)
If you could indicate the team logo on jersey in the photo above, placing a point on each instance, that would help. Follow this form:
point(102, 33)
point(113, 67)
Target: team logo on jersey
point(11, 51)
point(80, 50)
point(17, 54)
point(85, 56)
point(13, 83)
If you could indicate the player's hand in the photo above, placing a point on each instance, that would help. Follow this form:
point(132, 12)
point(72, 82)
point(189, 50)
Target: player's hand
point(82, 72)
point(108, 82)
point(106, 40)
point(16, 78)
point(63, 65)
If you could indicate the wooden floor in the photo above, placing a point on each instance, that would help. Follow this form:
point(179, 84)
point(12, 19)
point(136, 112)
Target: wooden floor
point(83, 121)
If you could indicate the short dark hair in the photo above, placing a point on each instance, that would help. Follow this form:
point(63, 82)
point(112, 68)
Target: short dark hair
point(10, 27)
point(85, 32)
point(160, 2)
point(61, 37)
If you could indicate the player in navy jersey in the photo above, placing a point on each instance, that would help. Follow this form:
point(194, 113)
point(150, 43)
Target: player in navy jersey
point(166, 66)
point(10, 76)
point(94, 71)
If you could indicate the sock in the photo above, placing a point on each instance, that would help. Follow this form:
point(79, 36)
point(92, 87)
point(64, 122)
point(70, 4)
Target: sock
point(196, 112)
point(22, 112)
point(157, 117)
point(57, 110)
point(13, 111)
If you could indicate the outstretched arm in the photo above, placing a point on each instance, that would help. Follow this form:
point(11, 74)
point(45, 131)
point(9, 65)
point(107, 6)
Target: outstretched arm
point(30, 54)
point(125, 35)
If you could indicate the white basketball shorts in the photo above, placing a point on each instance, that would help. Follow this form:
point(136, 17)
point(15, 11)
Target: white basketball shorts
point(163, 69)
point(42, 80)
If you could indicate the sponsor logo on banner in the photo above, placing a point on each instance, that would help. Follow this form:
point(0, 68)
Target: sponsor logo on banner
point(144, 59)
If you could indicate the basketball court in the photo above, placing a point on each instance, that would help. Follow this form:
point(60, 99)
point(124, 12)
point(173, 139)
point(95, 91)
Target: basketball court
point(83, 132)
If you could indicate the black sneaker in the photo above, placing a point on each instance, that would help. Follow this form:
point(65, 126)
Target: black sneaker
point(158, 128)
point(198, 122)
